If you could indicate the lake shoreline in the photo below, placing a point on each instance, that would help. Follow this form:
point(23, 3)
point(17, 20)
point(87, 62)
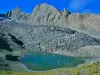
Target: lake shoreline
point(23, 52)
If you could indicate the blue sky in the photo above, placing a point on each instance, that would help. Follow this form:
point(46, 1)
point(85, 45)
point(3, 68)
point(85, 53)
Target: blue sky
point(81, 6)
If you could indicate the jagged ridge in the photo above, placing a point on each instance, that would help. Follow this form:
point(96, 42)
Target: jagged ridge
point(44, 14)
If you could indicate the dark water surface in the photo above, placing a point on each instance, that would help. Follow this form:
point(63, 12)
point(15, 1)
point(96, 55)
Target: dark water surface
point(41, 61)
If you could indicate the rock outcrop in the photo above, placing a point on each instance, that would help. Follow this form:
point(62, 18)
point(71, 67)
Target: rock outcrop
point(9, 42)
point(4, 44)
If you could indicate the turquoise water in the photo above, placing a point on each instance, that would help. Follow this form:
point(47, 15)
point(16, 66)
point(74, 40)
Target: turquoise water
point(40, 61)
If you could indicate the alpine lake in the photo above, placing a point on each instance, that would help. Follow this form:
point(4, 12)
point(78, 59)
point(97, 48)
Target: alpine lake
point(42, 61)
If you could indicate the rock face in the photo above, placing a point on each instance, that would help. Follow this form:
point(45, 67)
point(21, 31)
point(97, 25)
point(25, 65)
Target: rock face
point(45, 14)
point(88, 23)
point(9, 42)
point(4, 44)
point(17, 15)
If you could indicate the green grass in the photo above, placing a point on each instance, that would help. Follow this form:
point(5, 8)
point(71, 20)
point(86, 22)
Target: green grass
point(87, 69)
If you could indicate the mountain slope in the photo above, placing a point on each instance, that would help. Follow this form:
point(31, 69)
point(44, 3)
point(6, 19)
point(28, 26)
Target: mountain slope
point(47, 38)
point(44, 14)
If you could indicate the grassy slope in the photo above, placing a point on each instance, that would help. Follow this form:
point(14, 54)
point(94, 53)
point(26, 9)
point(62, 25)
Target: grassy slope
point(89, 69)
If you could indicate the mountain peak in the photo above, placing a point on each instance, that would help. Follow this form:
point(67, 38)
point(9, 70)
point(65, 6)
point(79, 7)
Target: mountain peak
point(17, 9)
point(15, 13)
point(44, 8)
point(66, 12)
point(44, 4)
point(44, 14)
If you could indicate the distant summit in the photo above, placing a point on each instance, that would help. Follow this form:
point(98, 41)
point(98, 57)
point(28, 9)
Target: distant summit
point(43, 14)
point(45, 8)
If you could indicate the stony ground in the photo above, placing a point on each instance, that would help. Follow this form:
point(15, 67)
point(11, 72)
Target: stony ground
point(44, 38)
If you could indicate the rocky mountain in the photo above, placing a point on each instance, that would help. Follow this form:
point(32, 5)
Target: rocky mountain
point(15, 38)
point(44, 14)
point(50, 30)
